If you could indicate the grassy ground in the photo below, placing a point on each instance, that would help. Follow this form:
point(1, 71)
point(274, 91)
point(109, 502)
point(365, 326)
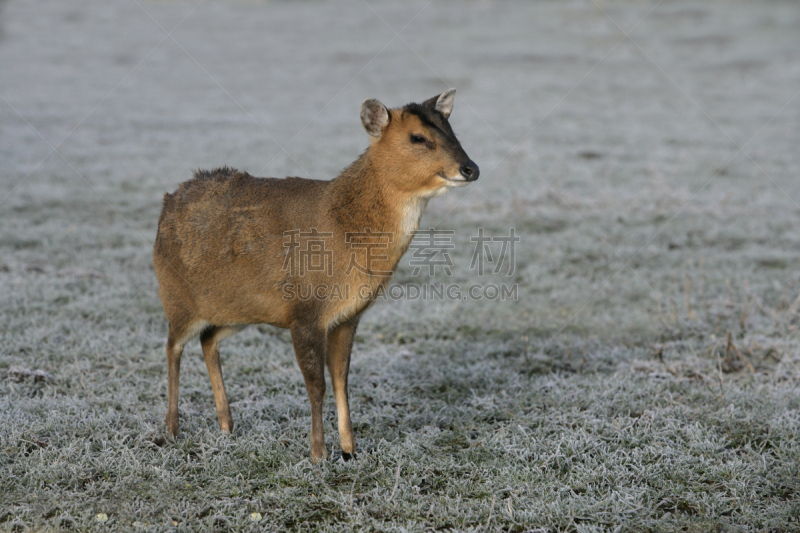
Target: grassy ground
point(645, 379)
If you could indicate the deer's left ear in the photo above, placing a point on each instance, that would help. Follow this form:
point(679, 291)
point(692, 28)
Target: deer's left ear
point(443, 103)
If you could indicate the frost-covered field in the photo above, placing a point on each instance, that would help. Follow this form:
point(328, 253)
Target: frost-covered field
point(645, 379)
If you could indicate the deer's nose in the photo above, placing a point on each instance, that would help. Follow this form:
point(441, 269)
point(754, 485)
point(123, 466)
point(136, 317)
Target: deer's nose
point(470, 171)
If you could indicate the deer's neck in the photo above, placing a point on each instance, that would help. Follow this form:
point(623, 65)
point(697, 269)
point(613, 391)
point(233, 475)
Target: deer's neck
point(361, 199)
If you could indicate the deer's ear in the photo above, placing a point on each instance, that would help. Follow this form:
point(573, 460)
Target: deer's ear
point(374, 116)
point(442, 103)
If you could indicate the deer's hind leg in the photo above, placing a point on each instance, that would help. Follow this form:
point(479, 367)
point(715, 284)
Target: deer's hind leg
point(174, 352)
point(209, 340)
point(179, 334)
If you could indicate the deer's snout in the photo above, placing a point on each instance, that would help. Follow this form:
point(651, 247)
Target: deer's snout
point(470, 171)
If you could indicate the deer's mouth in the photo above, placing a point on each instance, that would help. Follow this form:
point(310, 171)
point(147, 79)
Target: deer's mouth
point(454, 181)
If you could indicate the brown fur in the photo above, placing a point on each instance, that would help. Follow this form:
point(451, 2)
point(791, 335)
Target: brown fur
point(221, 249)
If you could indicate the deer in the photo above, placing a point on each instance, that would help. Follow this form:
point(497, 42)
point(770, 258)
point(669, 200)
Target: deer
point(233, 250)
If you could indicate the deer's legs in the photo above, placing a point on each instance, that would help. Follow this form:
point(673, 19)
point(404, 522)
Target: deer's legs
point(309, 349)
point(340, 344)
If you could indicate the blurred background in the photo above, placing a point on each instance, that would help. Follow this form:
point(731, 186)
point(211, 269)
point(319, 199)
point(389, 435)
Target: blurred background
point(628, 142)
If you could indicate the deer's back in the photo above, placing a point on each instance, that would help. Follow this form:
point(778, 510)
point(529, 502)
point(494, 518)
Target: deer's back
point(222, 234)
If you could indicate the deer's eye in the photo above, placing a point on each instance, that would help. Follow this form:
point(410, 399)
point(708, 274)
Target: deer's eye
point(418, 139)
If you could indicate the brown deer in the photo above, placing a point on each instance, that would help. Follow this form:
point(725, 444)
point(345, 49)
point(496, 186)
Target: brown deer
point(307, 255)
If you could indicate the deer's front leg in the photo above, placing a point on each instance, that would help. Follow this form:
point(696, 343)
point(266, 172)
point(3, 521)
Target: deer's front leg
point(340, 343)
point(309, 349)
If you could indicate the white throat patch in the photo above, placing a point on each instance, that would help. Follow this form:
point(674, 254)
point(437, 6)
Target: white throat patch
point(410, 221)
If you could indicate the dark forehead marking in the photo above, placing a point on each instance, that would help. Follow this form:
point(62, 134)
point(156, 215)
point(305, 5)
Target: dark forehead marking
point(429, 117)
